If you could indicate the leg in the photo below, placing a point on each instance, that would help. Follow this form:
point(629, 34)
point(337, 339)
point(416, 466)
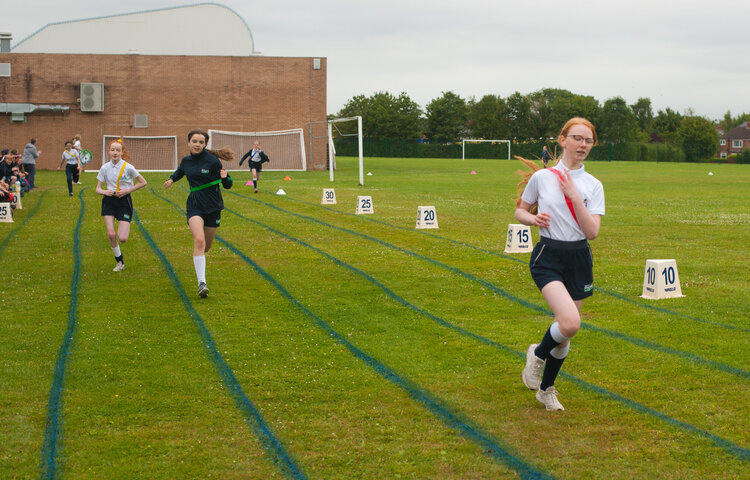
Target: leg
point(69, 179)
point(199, 252)
point(109, 223)
point(123, 231)
point(255, 179)
point(209, 233)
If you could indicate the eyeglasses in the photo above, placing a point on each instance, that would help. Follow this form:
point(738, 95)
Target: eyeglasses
point(579, 139)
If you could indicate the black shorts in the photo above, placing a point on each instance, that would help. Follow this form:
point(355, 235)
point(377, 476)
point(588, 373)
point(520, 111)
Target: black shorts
point(119, 207)
point(568, 262)
point(212, 219)
point(258, 166)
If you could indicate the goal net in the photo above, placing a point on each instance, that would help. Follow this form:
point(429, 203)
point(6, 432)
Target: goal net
point(481, 148)
point(335, 132)
point(147, 154)
point(285, 148)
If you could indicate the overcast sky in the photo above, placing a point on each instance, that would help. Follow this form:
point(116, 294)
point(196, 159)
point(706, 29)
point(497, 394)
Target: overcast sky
point(680, 54)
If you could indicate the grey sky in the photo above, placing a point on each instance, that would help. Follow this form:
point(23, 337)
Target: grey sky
point(680, 54)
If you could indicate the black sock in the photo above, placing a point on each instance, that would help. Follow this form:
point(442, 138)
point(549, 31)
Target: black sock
point(551, 369)
point(255, 184)
point(548, 343)
point(120, 259)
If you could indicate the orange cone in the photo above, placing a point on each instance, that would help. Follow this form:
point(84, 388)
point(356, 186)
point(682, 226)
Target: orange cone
point(287, 178)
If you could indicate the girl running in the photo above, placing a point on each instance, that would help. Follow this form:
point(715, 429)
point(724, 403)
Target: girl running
point(72, 165)
point(204, 173)
point(118, 175)
point(570, 206)
point(257, 158)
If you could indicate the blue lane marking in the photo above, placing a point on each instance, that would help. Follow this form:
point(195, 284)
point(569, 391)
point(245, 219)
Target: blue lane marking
point(438, 407)
point(741, 453)
point(252, 415)
point(49, 462)
point(518, 260)
point(744, 374)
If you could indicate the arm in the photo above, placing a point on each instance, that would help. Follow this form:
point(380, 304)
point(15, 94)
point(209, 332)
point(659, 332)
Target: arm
point(249, 152)
point(524, 216)
point(140, 183)
point(101, 191)
point(263, 157)
point(178, 174)
point(588, 222)
point(226, 180)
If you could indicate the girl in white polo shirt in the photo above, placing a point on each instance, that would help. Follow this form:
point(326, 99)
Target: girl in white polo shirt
point(570, 206)
point(118, 175)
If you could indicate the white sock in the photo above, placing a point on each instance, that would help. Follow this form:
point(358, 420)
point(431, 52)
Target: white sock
point(200, 268)
point(560, 352)
point(116, 251)
point(554, 331)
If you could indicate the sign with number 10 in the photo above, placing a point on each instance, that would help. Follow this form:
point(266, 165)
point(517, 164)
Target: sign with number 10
point(661, 280)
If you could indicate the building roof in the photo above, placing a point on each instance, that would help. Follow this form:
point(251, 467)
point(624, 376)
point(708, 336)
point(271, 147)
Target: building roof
point(741, 132)
point(200, 29)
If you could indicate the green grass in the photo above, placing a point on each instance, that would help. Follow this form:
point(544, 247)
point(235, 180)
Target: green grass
point(367, 348)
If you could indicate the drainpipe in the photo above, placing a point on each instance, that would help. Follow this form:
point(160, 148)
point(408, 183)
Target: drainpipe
point(18, 111)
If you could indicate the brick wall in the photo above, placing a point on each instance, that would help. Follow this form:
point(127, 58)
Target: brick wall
point(177, 93)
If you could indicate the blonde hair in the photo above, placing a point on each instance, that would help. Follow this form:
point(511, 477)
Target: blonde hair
point(525, 176)
point(572, 123)
point(224, 153)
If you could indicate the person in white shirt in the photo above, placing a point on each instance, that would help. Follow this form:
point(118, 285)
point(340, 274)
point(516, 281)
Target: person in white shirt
point(72, 165)
point(570, 204)
point(118, 176)
point(77, 147)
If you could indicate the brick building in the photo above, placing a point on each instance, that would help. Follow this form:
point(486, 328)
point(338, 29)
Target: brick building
point(41, 97)
point(735, 140)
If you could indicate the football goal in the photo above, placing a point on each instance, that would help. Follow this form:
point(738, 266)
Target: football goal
point(148, 154)
point(334, 130)
point(285, 148)
point(491, 152)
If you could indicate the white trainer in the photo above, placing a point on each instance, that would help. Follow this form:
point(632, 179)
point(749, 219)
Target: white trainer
point(532, 372)
point(202, 290)
point(549, 399)
point(119, 267)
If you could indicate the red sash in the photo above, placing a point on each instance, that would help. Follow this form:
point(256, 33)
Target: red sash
point(567, 200)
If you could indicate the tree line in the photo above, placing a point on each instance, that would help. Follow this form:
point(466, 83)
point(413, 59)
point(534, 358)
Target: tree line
point(534, 117)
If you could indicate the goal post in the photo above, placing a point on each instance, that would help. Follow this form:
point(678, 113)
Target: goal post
point(333, 124)
point(285, 148)
point(481, 140)
point(147, 153)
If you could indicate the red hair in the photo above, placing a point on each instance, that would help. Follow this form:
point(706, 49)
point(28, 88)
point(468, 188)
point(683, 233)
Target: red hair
point(125, 155)
point(572, 123)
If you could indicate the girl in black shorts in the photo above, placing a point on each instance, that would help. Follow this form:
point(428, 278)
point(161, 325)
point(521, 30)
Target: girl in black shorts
point(118, 176)
point(204, 173)
point(570, 206)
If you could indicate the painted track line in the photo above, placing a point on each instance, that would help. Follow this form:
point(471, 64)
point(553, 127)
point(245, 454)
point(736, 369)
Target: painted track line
point(735, 450)
point(252, 415)
point(438, 407)
point(693, 358)
point(518, 260)
point(49, 462)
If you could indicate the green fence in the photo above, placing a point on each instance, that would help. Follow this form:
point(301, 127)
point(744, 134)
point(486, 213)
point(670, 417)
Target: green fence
point(640, 152)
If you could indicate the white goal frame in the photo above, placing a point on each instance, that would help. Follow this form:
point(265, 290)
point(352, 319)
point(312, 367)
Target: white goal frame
point(332, 163)
point(234, 165)
point(108, 138)
point(480, 140)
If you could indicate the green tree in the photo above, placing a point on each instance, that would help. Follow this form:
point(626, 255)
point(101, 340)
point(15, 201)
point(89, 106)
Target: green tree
point(665, 125)
point(617, 122)
point(643, 113)
point(519, 116)
point(698, 138)
point(385, 116)
point(446, 117)
point(566, 107)
point(729, 122)
point(488, 118)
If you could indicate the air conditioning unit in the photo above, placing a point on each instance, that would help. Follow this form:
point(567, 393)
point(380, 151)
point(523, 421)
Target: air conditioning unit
point(92, 97)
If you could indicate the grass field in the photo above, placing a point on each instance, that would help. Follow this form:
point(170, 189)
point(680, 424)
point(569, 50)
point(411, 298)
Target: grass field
point(342, 346)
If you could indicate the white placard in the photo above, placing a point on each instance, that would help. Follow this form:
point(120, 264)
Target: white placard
point(426, 217)
point(661, 280)
point(519, 239)
point(364, 205)
point(329, 197)
point(17, 201)
point(6, 213)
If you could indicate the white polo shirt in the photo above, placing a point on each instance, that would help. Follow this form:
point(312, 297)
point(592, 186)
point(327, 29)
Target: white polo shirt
point(544, 188)
point(109, 174)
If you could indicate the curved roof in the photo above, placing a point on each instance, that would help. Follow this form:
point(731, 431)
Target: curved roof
point(200, 29)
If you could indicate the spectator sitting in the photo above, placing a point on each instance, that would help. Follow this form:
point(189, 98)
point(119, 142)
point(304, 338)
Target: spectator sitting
point(6, 163)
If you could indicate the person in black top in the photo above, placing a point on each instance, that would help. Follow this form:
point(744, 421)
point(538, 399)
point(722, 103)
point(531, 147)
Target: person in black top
point(545, 156)
point(257, 158)
point(204, 173)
